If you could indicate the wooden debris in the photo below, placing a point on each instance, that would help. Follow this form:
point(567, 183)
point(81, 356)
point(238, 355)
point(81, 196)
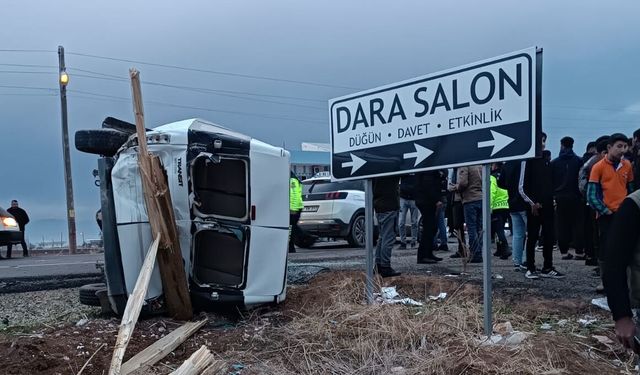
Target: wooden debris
point(161, 217)
point(132, 310)
point(197, 363)
point(90, 358)
point(161, 348)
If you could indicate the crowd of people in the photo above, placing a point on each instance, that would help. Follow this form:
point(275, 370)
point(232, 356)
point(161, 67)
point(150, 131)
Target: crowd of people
point(568, 203)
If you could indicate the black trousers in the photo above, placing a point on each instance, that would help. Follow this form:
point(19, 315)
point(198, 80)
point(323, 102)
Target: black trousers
point(570, 223)
point(591, 235)
point(295, 230)
point(498, 218)
point(25, 249)
point(545, 220)
point(457, 214)
point(604, 224)
point(429, 228)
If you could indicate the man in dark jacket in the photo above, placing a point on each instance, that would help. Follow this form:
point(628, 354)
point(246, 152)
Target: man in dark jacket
point(23, 219)
point(510, 179)
point(536, 188)
point(386, 205)
point(622, 268)
point(569, 211)
point(429, 197)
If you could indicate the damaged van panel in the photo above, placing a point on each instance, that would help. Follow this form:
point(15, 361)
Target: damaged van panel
point(230, 196)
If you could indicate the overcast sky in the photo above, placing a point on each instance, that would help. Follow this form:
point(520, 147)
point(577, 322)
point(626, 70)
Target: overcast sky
point(590, 76)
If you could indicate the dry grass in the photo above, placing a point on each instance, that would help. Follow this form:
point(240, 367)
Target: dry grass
point(338, 334)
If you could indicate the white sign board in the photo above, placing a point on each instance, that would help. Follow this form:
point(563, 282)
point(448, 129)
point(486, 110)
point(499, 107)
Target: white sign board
point(473, 114)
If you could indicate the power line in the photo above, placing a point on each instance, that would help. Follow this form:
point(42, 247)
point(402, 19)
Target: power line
point(27, 87)
point(213, 71)
point(117, 78)
point(119, 98)
point(30, 65)
point(204, 91)
point(23, 72)
point(27, 50)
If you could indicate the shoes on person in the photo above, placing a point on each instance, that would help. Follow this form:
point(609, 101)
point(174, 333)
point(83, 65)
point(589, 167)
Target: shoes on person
point(442, 247)
point(551, 273)
point(403, 246)
point(414, 244)
point(580, 257)
point(475, 260)
point(506, 255)
point(567, 256)
point(590, 262)
point(600, 288)
point(387, 271)
point(427, 261)
point(519, 267)
point(539, 248)
point(532, 275)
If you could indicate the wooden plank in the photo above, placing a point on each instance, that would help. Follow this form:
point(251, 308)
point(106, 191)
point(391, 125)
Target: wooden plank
point(197, 363)
point(161, 348)
point(161, 217)
point(132, 310)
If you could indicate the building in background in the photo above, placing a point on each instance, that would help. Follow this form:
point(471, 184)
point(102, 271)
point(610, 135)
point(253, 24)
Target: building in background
point(307, 163)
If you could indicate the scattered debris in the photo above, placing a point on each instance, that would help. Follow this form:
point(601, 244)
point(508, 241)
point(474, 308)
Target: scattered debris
point(389, 296)
point(503, 328)
point(562, 322)
point(439, 297)
point(505, 336)
point(601, 303)
point(82, 322)
point(603, 340)
point(197, 363)
point(587, 321)
point(546, 327)
point(497, 276)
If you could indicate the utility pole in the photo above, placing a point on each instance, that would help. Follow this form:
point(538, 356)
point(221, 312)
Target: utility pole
point(71, 214)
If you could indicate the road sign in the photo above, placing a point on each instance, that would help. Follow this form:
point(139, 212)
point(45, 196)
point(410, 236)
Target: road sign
point(474, 114)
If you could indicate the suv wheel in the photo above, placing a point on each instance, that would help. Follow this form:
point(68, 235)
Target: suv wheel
point(357, 233)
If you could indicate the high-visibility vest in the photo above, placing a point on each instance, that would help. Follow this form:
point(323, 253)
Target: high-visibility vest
point(295, 195)
point(499, 196)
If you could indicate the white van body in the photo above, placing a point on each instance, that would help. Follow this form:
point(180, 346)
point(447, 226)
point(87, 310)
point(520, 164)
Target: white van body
point(230, 195)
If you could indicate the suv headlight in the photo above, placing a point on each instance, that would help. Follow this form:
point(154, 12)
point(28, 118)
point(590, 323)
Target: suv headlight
point(9, 222)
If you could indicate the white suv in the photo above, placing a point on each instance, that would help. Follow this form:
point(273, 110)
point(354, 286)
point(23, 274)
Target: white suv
point(334, 210)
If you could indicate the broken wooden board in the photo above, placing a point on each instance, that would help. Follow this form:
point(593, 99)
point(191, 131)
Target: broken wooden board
point(132, 310)
point(197, 363)
point(161, 348)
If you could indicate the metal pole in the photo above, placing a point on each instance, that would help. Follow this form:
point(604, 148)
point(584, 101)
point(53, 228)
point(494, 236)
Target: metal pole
point(368, 214)
point(486, 248)
point(71, 215)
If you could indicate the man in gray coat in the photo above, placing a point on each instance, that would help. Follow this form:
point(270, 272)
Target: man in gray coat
point(469, 186)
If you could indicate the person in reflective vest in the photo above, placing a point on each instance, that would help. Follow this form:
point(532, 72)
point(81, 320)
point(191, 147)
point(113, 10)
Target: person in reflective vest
point(295, 208)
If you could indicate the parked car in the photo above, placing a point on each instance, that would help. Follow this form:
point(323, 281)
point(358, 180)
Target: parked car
point(230, 195)
point(334, 210)
point(9, 231)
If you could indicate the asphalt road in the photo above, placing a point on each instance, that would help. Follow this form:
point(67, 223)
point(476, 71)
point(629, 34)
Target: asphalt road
point(49, 265)
point(338, 255)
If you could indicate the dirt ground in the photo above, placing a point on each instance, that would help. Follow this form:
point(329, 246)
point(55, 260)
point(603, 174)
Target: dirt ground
point(325, 328)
